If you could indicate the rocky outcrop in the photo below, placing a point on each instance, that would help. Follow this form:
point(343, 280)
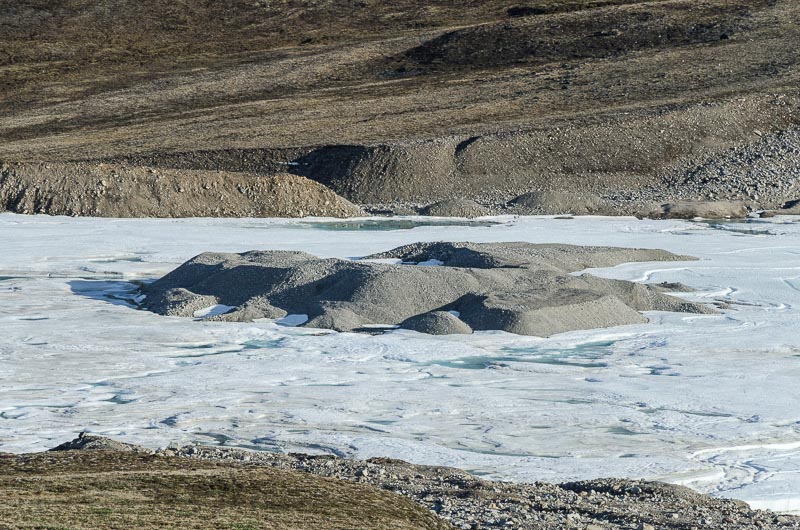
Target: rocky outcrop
point(702, 209)
point(560, 202)
point(437, 323)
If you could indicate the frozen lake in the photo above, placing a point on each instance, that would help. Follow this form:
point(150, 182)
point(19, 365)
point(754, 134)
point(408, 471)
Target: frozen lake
point(710, 401)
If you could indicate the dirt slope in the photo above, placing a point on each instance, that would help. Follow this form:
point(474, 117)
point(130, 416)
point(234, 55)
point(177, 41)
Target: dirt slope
point(108, 190)
point(411, 101)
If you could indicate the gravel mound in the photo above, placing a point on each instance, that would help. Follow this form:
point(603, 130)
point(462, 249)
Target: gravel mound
point(536, 39)
point(455, 208)
point(437, 323)
point(559, 202)
point(515, 287)
point(110, 190)
point(704, 209)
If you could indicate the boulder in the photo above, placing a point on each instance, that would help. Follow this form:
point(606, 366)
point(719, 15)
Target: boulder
point(703, 209)
point(560, 202)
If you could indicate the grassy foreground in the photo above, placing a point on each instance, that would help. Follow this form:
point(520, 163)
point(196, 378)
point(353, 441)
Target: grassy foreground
point(123, 490)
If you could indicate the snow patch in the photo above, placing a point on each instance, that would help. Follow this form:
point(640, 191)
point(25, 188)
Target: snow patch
point(292, 320)
point(213, 310)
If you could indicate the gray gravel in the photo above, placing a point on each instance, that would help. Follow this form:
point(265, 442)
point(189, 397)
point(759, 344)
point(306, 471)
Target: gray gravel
point(760, 175)
point(515, 287)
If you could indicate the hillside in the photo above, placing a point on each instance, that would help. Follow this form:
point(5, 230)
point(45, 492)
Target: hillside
point(412, 102)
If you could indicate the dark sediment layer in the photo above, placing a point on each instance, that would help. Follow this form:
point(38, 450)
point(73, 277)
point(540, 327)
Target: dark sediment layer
point(516, 287)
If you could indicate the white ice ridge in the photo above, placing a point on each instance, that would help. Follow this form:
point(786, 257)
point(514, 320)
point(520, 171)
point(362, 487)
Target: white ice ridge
point(706, 400)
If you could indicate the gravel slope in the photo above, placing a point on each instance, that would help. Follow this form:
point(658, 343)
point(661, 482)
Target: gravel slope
point(626, 101)
point(109, 190)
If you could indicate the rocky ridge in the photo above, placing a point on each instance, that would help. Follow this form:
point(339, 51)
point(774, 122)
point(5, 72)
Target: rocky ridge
point(105, 486)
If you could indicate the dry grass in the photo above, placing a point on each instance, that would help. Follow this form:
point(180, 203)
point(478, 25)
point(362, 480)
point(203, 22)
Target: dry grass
point(52, 47)
point(115, 490)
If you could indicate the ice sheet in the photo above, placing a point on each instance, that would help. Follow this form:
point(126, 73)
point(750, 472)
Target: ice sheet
point(705, 400)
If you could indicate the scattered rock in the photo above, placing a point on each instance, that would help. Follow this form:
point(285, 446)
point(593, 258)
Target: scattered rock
point(559, 202)
point(467, 501)
point(86, 441)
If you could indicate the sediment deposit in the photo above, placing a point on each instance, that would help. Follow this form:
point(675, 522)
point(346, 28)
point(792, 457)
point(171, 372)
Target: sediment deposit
point(515, 287)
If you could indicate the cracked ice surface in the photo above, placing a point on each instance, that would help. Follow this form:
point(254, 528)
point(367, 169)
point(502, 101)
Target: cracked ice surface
point(709, 401)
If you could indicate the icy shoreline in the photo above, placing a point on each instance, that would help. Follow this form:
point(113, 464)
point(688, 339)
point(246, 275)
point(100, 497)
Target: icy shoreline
point(704, 400)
